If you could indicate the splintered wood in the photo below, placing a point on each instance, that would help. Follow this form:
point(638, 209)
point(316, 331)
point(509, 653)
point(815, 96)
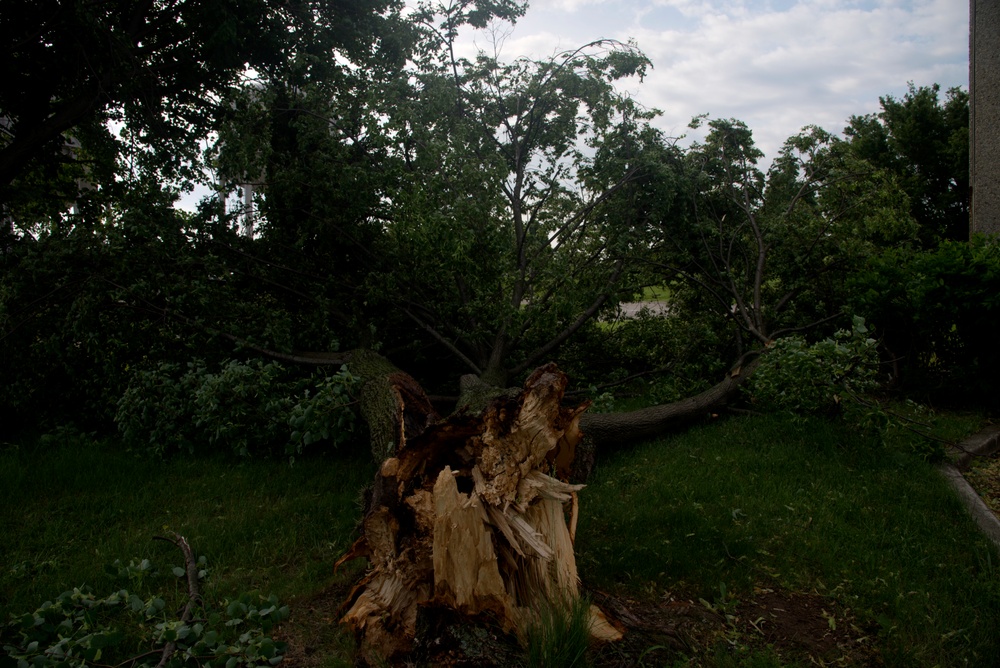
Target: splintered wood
point(473, 515)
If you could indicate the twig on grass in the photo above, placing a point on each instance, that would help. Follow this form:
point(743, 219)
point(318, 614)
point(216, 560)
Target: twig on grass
point(194, 596)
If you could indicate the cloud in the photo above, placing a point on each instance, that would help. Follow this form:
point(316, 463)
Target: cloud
point(565, 5)
point(776, 64)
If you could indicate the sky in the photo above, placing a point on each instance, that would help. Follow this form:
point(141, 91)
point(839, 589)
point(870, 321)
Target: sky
point(777, 65)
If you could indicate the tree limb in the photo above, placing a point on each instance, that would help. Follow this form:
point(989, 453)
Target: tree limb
point(194, 595)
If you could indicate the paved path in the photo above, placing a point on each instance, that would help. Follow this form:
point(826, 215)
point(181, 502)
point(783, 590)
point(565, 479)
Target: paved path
point(657, 307)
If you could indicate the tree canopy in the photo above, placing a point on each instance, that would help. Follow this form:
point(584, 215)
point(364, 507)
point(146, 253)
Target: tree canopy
point(74, 71)
point(460, 215)
point(924, 142)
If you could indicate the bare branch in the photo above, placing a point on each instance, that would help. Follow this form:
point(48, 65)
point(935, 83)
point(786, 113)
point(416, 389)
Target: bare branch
point(194, 595)
point(444, 341)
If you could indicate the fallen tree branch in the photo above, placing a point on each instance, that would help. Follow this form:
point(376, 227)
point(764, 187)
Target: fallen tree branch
point(194, 595)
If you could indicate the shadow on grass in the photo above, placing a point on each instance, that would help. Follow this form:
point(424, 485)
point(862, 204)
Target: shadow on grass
point(751, 541)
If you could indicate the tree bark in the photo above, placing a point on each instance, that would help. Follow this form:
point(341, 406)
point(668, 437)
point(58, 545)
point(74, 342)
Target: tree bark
point(610, 429)
point(607, 431)
point(473, 515)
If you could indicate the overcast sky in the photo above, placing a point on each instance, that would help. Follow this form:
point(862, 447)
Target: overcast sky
point(777, 65)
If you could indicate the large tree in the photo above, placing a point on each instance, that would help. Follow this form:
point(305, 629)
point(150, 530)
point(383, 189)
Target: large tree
point(506, 228)
point(158, 69)
point(103, 109)
point(924, 141)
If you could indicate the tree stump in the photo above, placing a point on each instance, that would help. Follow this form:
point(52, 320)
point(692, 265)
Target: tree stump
point(473, 515)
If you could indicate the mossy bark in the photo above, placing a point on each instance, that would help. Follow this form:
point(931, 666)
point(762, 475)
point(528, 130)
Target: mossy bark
point(392, 403)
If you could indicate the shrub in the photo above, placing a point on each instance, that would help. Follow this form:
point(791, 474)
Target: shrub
point(803, 378)
point(245, 407)
point(938, 313)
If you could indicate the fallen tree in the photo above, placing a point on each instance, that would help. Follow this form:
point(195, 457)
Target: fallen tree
point(473, 515)
point(391, 399)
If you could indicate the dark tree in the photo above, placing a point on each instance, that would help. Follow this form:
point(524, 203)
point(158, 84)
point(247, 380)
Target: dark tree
point(924, 141)
point(69, 68)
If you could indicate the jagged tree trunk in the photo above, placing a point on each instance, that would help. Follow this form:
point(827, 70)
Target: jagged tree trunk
point(392, 403)
point(472, 515)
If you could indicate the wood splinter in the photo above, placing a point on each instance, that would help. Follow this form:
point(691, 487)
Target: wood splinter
point(471, 516)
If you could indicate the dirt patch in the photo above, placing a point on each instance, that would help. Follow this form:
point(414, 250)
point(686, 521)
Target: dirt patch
point(984, 476)
point(792, 626)
point(313, 633)
point(656, 632)
point(804, 626)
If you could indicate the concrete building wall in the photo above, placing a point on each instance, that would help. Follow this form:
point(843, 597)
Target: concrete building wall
point(984, 115)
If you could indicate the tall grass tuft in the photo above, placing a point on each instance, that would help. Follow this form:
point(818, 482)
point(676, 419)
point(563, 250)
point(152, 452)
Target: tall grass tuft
point(558, 634)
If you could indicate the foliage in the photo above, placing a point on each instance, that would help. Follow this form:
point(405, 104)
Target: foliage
point(85, 302)
point(818, 378)
point(247, 407)
point(510, 226)
point(322, 414)
point(924, 143)
point(668, 357)
point(771, 252)
point(307, 136)
point(78, 628)
point(74, 307)
point(105, 111)
point(937, 311)
point(157, 69)
point(475, 214)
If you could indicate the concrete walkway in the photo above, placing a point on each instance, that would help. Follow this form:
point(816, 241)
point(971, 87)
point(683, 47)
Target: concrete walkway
point(982, 444)
point(656, 307)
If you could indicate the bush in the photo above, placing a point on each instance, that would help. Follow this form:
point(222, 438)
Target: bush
point(818, 378)
point(245, 407)
point(938, 313)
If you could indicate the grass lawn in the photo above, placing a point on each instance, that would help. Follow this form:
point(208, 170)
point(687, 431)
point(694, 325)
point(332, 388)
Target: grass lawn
point(703, 537)
point(657, 293)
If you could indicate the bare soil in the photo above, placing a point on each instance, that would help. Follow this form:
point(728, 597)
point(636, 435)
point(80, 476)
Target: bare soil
point(984, 477)
point(794, 627)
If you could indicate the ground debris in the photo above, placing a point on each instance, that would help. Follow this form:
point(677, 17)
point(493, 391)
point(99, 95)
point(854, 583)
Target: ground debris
point(472, 516)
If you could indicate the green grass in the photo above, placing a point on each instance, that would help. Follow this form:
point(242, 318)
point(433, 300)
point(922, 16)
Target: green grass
point(559, 635)
point(808, 506)
point(803, 505)
point(263, 525)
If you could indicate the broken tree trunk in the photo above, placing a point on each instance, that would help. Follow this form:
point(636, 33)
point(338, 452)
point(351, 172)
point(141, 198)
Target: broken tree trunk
point(472, 515)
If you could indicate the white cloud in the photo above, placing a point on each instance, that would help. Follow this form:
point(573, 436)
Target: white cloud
point(565, 5)
point(776, 64)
